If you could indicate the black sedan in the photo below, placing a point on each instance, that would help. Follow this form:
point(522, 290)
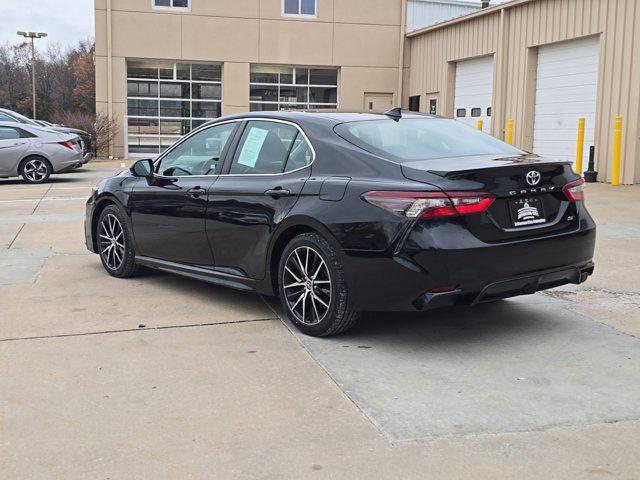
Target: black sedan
point(339, 213)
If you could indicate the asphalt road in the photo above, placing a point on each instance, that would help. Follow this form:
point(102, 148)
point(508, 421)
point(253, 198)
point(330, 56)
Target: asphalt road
point(216, 385)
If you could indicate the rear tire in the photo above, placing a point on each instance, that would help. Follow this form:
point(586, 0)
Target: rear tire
point(115, 243)
point(35, 170)
point(312, 287)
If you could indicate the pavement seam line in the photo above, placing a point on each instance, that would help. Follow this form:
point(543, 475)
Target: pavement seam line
point(125, 330)
point(290, 327)
point(16, 236)
point(41, 198)
point(541, 429)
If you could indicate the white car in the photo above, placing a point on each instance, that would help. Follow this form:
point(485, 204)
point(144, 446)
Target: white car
point(34, 153)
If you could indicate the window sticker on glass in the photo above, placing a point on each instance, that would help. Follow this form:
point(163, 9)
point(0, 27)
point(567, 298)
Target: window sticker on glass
point(252, 146)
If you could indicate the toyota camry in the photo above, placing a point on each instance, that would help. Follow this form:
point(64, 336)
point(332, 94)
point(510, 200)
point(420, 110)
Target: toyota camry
point(339, 213)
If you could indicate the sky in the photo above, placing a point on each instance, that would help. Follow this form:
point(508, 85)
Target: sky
point(66, 21)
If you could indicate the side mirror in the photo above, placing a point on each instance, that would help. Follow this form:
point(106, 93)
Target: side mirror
point(142, 168)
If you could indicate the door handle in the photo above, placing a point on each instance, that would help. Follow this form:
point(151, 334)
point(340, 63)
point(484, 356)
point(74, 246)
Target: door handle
point(196, 192)
point(277, 193)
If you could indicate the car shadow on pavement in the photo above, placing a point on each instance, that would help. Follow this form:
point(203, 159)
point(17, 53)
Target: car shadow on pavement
point(454, 325)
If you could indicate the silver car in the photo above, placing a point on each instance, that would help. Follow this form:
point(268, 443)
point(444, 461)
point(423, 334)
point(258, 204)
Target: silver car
point(34, 153)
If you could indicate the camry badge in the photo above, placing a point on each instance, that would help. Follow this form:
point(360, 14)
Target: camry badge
point(533, 178)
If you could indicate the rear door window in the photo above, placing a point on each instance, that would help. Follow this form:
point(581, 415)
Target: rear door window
point(268, 147)
point(8, 133)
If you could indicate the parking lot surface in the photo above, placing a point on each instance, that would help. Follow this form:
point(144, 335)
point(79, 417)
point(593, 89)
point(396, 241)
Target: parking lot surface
point(164, 377)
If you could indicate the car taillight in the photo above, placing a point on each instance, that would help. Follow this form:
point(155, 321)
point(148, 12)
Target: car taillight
point(68, 144)
point(574, 191)
point(430, 204)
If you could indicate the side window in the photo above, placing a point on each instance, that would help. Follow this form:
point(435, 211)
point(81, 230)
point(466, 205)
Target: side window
point(199, 154)
point(7, 118)
point(263, 148)
point(8, 133)
point(300, 156)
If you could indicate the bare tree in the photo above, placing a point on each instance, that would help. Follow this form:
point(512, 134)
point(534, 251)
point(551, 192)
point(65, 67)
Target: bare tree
point(103, 129)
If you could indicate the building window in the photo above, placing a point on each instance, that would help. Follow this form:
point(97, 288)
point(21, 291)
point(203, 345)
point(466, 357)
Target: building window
point(300, 8)
point(292, 88)
point(461, 113)
point(171, 4)
point(476, 112)
point(166, 100)
point(414, 103)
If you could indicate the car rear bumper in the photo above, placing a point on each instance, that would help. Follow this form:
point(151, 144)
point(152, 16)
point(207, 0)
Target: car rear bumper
point(443, 265)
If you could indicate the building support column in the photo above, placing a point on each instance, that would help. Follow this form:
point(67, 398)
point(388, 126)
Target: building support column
point(109, 72)
point(500, 73)
point(403, 39)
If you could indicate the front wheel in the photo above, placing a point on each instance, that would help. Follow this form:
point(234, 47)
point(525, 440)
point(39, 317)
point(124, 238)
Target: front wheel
point(115, 244)
point(312, 287)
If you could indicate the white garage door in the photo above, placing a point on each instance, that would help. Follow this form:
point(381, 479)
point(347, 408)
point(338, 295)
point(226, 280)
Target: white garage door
point(567, 89)
point(474, 91)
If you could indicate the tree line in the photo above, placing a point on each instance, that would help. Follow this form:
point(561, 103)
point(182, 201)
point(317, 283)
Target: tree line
point(65, 88)
point(65, 80)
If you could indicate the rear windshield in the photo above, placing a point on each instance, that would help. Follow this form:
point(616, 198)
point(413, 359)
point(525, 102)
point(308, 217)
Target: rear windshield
point(422, 139)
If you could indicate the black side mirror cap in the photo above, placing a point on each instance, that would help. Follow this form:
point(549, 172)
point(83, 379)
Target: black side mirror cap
point(142, 168)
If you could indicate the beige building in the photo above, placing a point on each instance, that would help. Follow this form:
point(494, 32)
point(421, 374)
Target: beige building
point(544, 64)
point(165, 66)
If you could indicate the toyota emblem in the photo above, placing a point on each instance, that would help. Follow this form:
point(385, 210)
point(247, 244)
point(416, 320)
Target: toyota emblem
point(533, 178)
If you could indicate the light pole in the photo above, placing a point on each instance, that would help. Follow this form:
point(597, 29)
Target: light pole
point(33, 36)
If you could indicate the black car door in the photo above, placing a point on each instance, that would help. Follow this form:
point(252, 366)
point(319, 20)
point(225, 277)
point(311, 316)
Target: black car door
point(258, 186)
point(167, 211)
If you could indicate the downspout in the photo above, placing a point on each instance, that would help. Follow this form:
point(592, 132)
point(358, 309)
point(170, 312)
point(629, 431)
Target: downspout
point(109, 73)
point(403, 39)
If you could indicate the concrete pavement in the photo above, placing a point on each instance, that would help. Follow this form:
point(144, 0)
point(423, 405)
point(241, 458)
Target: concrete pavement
point(216, 386)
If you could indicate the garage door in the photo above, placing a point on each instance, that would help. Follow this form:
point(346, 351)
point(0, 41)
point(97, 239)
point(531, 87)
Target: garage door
point(474, 91)
point(566, 90)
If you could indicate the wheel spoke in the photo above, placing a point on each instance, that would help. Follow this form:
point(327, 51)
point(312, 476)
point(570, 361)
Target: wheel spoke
point(304, 306)
point(293, 285)
point(302, 295)
point(315, 309)
point(293, 274)
point(299, 264)
point(320, 300)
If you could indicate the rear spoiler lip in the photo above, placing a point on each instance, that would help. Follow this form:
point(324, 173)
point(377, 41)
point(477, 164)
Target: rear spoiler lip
point(501, 162)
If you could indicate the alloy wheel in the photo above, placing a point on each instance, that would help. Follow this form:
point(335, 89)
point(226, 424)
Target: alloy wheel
point(35, 170)
point(307, 285)
point(112, 242)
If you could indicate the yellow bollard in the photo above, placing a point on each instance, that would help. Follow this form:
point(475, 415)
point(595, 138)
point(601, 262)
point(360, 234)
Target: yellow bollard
point(580, 146)
point(617, 152)
point(480, 124)
point(510, 131)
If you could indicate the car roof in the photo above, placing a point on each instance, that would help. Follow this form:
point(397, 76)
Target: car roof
point(328, 117)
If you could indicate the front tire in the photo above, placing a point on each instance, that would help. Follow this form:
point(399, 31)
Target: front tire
point(115, 243)
point(35, 170)
point(312, 287)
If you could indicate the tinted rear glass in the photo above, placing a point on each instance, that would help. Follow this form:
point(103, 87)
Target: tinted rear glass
point(422, 139)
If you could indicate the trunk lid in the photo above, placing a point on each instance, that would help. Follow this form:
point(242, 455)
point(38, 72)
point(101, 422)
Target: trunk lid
point(528, 189)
